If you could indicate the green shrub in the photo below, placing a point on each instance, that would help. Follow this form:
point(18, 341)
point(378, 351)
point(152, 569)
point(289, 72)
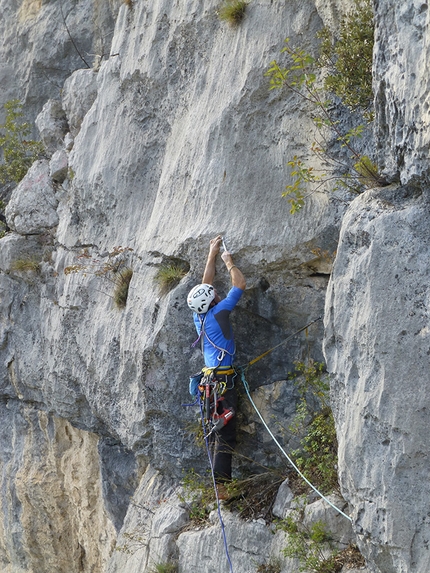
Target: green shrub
point(26, 264)
point(317, 456)
point(199, 496)
point(169, 274)
point(344, 69)
point(19, 152)
point(311, 546)
point(232, 11)
point(348, 56)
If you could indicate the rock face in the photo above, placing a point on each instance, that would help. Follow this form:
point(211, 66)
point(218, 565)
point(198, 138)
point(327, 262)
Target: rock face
point(377, 313)
point(377, 341)
point(167, 137)
point(401, 86)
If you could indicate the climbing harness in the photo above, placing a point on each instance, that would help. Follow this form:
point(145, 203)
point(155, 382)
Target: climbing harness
point(213, 385)
point(203, 334)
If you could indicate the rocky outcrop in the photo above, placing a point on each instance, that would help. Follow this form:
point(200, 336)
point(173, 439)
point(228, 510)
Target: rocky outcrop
point(402, 88)
point(377, 341)
point(171, 137)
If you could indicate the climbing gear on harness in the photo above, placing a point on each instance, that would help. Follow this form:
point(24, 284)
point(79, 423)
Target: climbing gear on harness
point(200, 297)
point(194, 383)
point(212, 386)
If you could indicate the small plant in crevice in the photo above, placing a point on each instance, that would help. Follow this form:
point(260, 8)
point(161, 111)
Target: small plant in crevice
point(336, 162)
point(165, 567)
point(169, 275)
point(19, 152)
point(310, 545)
point(25, 264)
point(314, 424)
point(132, 542)
point(122, 283)
point(198, 496)
point(232, 11)
point(114, 267)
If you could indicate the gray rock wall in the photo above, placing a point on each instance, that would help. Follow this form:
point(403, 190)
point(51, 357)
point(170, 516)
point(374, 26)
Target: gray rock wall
point(377, 343)
point(376, 337)
point(172, 139)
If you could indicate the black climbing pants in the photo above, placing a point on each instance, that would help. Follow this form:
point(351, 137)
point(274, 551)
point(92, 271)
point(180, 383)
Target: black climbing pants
point(224, 441)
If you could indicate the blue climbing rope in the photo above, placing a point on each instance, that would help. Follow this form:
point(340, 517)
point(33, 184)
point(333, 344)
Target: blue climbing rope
point(215, 488)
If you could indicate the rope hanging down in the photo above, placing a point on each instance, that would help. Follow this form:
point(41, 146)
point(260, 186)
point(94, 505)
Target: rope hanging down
point(245, 383)
point(215, 488)
point(242, 370)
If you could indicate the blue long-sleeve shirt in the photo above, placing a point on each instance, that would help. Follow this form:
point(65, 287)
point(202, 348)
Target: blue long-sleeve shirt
point(218, 328)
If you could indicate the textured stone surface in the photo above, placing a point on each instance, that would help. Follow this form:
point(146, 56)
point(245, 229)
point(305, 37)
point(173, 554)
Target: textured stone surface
point(402, 89)
point(52, 125)
point(53, 518)
point(44, 42)
point(183, 141)
point(377, 346)
point(58, 166)
point(32, 208)
point(78, 95)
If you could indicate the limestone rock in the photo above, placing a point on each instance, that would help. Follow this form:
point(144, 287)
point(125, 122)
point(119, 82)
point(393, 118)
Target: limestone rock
point(52, 483)
point(52, 125)
point(44, 42)
point(401, 90)
point(58, 166)
point(377, 345)
point(338, 526)
point(283, 500)
point(78, 95)
point(32, 208)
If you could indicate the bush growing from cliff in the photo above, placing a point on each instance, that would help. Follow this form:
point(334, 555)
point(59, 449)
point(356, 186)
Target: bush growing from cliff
point(313, 548)
point(311, 78)
point(18, 151)
point(232, 11)
point(317, 456)
point(169, 274)
point(348, 57)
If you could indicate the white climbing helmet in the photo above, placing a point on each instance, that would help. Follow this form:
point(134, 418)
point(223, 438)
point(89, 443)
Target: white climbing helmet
point(200, 297)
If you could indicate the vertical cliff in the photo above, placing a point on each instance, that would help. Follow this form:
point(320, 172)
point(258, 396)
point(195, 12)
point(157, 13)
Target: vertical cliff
point(377, 338)
point(161, 132)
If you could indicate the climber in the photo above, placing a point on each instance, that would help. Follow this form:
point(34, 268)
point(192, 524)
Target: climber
point(212, 322)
